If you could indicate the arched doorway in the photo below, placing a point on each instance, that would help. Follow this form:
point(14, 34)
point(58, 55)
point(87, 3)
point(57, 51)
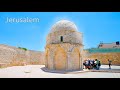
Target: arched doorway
point(75, 59)
point(60, 59)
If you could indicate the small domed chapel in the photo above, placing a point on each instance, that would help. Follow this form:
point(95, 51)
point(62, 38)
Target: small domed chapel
point(64, 47)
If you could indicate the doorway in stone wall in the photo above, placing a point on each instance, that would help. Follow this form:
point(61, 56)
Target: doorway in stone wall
point(75, 55)
point(60, 59)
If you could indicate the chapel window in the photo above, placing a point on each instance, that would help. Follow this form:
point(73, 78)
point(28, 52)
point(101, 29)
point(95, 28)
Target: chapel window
point(61, 38)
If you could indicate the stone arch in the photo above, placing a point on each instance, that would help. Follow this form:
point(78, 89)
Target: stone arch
point(75, 55)
point(47, 58)
point(60, 59)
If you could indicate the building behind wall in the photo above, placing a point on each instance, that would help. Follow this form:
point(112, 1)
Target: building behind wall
point(109, 45)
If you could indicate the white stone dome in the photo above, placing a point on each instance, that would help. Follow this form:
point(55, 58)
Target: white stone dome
point(64, 25)
point(64, 31)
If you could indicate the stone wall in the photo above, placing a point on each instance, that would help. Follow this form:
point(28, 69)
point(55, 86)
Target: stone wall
point(68, 37)
point(15, 56)
point(103, 57)
point(36, 57)
point(64, 56)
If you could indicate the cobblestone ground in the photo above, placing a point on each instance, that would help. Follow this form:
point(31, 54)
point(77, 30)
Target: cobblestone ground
point(37, 71)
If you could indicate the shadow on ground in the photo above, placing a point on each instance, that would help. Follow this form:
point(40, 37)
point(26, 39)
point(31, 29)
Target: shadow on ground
point(58, 71)
point(80, 71)
point(107, 70)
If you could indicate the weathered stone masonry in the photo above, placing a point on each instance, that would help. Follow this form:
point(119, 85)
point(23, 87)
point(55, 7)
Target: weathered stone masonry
point(16, 56)
point(64, 47)
point(103, 57)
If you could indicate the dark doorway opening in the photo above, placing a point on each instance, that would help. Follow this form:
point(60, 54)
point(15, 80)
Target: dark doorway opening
point(61, 38)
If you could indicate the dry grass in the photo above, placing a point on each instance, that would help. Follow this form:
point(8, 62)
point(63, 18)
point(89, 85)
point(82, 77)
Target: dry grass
point(19, 63)
point(3, 65)
point(34, 63)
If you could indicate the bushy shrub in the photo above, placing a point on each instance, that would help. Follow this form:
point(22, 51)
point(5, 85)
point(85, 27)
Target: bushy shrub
point(23, 48)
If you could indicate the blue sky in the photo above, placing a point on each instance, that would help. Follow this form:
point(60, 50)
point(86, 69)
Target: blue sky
point(95, 26)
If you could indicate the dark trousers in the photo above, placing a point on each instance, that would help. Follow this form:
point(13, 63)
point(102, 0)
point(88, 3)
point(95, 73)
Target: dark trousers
point(109, 66)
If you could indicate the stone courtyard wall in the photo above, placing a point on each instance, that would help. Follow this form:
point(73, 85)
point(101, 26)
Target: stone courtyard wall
point(15, 56)
point(103, 57)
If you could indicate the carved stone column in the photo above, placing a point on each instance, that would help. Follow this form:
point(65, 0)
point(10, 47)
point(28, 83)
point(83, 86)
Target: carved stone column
point(69, 64)
point(81, 57)
point(52, 58)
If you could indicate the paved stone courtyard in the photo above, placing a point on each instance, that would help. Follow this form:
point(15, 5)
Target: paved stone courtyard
point(39, 71)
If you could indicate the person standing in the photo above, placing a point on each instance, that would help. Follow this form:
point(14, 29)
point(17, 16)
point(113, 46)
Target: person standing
point(92, 64)
point(96, 64)
point(109, 63)
point(99, 64)
point(84, 64)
